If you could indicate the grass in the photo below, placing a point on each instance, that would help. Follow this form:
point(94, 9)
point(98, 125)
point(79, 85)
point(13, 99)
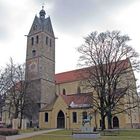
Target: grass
point(66, 135)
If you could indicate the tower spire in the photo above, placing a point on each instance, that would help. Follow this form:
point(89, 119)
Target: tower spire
point(42, 13)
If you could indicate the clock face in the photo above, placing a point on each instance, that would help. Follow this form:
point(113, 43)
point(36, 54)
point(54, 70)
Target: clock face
point(32, 67)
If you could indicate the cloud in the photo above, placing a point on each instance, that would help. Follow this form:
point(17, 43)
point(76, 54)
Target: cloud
point(4, 32)
point(68, 16)
point(75, 15)
point(12, 16)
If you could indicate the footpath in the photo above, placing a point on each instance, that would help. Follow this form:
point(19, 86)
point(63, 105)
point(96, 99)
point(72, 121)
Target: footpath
point(27, 135)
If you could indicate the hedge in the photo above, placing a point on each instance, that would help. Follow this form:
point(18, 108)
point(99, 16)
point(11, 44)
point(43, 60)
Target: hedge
point(8, 131)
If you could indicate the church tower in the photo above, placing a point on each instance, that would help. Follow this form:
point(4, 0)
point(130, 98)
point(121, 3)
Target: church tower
point(40, 60)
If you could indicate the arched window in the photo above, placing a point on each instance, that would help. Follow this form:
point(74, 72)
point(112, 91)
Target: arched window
point(115, 122)
point(32, 41)
point(64, 91)
point(46, 40)
point(37, 39)
point(34, 52)
point(60, 120)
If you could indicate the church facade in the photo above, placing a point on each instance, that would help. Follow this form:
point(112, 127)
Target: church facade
point(74, 103)
point(63, 102)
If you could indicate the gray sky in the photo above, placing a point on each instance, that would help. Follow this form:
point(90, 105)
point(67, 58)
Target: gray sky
point(71, 19)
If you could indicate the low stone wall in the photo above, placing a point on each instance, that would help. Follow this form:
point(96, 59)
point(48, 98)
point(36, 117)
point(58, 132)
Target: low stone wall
point(85, 135)
point(134, 125)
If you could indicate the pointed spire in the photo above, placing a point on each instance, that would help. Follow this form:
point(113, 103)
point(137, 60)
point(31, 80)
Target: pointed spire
point(42, 13)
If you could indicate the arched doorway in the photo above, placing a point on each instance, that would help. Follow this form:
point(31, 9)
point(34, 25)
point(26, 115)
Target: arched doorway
point(60, 120)
point(115, 122)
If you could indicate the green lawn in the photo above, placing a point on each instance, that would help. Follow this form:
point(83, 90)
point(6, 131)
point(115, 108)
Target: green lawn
point(66, 135)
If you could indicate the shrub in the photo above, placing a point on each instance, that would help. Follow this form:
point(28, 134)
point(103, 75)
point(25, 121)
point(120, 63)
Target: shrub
point(8, 131)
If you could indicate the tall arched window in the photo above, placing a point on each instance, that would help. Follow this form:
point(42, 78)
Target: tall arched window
point(32, 41)
point(60, 120)
point(115, 122)
point(37, 39)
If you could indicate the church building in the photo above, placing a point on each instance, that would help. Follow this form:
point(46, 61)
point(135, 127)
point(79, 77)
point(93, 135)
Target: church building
point(62, 101)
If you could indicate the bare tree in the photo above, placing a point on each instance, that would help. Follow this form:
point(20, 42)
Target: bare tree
point(4, 85)
point(13, 89)
point(13, 77)
point(110, 63)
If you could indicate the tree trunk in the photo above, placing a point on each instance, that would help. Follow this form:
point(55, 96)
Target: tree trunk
point(109, 118)
point(102, 123)
point(21, 120)
point(16, 113)
point(102, 119)
point(102, 112)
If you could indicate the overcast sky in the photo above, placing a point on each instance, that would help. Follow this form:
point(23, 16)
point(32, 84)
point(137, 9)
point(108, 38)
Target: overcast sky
point(71, 19)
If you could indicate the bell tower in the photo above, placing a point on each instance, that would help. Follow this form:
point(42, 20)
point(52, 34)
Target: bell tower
point(40, 60)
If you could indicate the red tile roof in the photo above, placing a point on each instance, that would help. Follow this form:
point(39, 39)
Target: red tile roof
point(81, 100)
point(78, 99)
point(78, 74)
point(68, 76)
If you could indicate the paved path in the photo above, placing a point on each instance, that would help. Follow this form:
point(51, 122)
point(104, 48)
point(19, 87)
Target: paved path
point(27, 135)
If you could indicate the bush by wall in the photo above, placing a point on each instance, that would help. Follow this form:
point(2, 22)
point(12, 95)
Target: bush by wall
point(8, 131)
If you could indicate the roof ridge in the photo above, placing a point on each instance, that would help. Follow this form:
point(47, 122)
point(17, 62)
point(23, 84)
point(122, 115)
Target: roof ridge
point(70, 71)
point(127, 59)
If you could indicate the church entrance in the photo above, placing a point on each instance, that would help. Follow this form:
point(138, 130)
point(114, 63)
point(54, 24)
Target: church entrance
point(60, 120)
point(115, 122)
